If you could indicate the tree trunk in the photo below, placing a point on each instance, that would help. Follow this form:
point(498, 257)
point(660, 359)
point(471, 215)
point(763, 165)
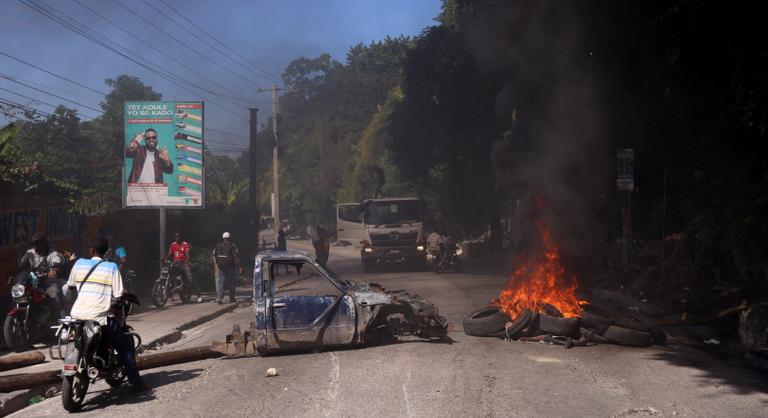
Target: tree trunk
point(16, 360)
point(30, 380)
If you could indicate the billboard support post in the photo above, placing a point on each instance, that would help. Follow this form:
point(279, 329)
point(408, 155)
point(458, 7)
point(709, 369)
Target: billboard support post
point(161, 238)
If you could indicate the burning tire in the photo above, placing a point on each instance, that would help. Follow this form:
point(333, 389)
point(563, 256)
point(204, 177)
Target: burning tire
point(518, 325)
point(485, 322)
point(627, 336)
point(558, 326)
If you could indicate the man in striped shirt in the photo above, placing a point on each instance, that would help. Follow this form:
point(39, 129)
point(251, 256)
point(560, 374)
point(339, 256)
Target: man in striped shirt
point(94, 303)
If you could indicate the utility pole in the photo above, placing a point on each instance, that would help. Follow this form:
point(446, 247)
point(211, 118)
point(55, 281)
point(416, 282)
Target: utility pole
point(275, 162)
point(275, 174)
point(253, 183)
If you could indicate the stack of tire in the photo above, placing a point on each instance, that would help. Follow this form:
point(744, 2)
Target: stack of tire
point(602, 325)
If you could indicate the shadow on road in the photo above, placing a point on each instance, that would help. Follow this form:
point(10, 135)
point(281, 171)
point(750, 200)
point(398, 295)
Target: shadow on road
point(121, 395)
point(715, 371)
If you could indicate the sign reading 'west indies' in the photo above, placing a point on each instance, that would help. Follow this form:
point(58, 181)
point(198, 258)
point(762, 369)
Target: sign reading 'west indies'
point(163, 155)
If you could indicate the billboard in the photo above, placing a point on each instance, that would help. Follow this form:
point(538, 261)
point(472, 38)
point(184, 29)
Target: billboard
point(164, 164)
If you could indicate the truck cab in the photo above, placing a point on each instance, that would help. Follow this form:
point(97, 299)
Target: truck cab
point(310, 307)
point(387, 230)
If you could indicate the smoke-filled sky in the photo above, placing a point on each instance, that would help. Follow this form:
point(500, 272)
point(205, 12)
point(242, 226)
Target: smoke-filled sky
point(268, 34)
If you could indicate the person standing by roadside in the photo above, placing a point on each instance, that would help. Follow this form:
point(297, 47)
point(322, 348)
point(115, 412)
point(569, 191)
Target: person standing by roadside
point(282, 245)
point(227, 260)
point(178, 252)
point(116, 254)
point(322, 246)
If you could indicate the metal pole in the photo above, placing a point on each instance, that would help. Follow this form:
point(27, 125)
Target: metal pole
point(626, 230)
point(253, 185)
point(663, 225)
point(275, 173)
point(162, 233)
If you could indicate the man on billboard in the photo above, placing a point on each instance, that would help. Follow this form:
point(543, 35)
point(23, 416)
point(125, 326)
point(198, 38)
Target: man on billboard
point(149, 162)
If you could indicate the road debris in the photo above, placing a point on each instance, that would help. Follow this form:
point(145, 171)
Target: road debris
point(16, 360)
point(272, 372)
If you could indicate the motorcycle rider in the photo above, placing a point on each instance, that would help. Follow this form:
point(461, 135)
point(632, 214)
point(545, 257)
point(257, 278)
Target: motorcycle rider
point(434, 243)
point(178, 252)
point(43, 258)
point(94, 303)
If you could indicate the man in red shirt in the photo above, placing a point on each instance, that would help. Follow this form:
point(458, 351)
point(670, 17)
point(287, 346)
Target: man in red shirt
point(178, 252)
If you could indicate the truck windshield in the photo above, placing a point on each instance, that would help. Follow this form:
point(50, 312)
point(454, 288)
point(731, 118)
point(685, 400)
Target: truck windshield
point(394, 211)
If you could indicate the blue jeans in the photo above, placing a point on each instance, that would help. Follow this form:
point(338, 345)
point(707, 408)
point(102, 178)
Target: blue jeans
point(225, 281)
point(123, 343)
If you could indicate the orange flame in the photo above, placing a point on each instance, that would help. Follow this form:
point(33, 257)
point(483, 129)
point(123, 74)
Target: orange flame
point(541, 280)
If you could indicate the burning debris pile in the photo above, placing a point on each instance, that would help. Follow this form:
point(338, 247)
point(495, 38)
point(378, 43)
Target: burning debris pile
point(540, 303)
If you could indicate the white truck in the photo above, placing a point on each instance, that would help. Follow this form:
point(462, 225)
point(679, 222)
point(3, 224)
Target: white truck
point(387, 230)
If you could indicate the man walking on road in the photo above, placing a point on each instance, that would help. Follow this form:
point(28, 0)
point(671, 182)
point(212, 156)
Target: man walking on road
point(322, 246)
point(178, 252)
point(227, 259)
point(94, 303)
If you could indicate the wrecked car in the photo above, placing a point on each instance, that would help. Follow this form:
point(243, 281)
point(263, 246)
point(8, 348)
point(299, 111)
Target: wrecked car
point(300, 305)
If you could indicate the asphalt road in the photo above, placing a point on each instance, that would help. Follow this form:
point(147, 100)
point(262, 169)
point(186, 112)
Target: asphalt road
point(469, 377)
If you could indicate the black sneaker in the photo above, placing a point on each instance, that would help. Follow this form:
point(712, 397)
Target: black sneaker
point(219, 302)
point(138, 387)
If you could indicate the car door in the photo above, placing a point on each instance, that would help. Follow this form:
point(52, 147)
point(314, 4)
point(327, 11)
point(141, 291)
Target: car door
point(307, 308)
point(349, 224)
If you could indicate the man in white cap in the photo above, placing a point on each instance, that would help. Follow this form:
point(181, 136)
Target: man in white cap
point(227, 259)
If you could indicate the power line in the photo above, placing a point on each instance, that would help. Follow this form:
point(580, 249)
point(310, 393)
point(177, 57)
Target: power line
point(220, 145)
point(186, 66)
point(52, 88)
point(225, 133)
point(262, 73)
point(22, 107)
point(40, 101)
point(219, 42)
point(51, 73)
point(156, 27)
point(48, 93)
point(222, 142)
point(45, 10)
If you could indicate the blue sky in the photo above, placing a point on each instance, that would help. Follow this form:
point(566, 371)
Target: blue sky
point(267, 33)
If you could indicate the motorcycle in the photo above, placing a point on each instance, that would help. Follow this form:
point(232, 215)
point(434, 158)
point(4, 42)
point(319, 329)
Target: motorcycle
point(171, 280)
point(88, 357)
point(129, 281)
point(32, 312)
point(447, 258)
